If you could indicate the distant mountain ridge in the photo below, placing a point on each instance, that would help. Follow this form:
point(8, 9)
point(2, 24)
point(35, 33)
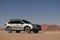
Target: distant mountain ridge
point(46, 27)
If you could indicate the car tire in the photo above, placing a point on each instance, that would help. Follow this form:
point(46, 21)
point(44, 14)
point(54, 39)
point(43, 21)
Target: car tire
point(9, 29)
point(35, 31)
point(27, 29)
point(17, 31)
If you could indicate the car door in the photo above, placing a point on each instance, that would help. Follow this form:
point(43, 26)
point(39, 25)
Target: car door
point(13, 24)
point(17, 25)
point(20, 25)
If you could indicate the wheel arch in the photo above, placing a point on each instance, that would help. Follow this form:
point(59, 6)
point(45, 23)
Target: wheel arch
point(7, 27)
point(27, 26)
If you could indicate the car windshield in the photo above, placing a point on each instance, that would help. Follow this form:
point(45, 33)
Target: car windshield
point(25, 21)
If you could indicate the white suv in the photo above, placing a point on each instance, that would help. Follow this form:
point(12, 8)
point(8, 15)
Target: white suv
point(21, 25)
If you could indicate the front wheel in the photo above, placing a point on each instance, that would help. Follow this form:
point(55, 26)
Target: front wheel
point(35, 31)
point(27, 29)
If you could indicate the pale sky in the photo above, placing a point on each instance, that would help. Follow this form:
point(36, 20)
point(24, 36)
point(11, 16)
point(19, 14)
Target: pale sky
point(35, 11)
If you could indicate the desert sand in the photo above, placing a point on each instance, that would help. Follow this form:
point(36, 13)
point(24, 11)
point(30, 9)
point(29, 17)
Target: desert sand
point(51, 35)
point(49, 32)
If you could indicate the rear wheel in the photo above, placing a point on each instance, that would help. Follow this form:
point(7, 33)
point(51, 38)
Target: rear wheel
point(17, 31)
point(27, 29)
point(9, 29)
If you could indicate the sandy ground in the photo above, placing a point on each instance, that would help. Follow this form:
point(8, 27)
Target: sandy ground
point(32, 36)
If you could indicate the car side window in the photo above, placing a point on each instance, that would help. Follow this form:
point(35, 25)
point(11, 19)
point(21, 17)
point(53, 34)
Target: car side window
point(10, 22)
point(15, 22)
